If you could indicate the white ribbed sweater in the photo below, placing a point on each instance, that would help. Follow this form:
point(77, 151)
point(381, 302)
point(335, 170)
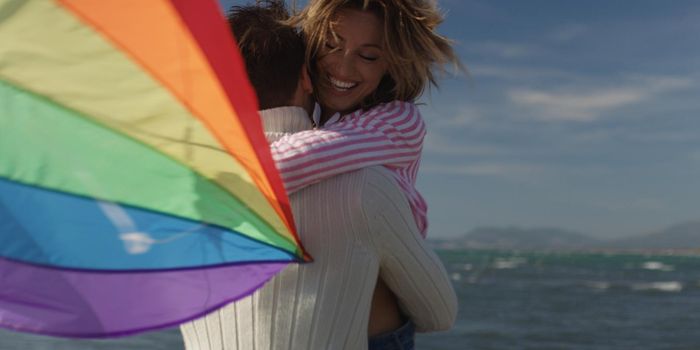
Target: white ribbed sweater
point(357, 226)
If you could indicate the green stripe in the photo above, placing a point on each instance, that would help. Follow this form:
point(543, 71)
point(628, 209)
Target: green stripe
point(47, 145)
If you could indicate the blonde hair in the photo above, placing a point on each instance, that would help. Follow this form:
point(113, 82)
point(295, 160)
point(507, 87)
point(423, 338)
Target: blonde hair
point(414, 50)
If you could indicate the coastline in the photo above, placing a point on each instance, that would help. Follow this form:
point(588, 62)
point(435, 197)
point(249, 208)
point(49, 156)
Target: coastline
point(680, 252)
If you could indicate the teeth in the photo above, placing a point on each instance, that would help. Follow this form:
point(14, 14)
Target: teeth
point(341, 85)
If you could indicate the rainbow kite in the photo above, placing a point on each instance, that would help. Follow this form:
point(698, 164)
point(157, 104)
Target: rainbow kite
point(137, 190)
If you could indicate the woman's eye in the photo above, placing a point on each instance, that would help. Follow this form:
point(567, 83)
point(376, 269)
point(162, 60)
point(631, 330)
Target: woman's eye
point(330, 47)
point(369, 58)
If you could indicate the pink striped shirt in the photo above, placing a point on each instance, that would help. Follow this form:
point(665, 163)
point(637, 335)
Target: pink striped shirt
point(390, 134)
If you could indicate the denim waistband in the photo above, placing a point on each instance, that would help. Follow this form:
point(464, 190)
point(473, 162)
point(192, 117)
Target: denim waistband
point(400, 339)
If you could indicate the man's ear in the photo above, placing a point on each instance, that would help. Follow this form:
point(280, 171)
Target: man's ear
point(306, 80)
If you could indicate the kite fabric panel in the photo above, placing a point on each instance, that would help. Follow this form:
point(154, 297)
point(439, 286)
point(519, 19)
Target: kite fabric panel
point(137, 190)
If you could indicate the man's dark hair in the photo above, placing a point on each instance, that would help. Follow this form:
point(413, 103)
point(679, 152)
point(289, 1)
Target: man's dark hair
point(273, 52)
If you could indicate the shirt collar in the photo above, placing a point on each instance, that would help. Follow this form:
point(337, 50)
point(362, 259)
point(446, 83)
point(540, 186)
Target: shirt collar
point(288, 119)
point(316, 117)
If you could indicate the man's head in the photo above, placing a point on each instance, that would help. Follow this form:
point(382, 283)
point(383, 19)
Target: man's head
point(273, 53)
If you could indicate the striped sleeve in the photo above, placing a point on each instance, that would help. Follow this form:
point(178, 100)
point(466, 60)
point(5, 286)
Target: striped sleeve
point(390, 134)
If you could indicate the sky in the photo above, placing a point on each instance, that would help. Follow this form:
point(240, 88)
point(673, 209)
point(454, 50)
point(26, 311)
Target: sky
point(581, 115)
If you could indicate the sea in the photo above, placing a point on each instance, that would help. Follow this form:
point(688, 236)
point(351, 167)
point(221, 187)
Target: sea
point(526, 300)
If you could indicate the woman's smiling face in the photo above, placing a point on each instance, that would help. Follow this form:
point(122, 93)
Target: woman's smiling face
point(351, 66)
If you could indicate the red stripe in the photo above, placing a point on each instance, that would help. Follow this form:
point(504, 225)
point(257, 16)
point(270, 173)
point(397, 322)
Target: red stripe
point(209, 29)
point(355, 164)
point(304, 143)
point(390, 115)
point(353, 154)
point(289, 148)
point(363, 124)
point(311, 156)
point(305, 151)
point(389, 109)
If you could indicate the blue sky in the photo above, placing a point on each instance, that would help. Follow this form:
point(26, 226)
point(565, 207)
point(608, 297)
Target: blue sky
point(580, 115)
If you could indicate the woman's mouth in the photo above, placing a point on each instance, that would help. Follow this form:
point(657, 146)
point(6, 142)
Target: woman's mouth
point(341, 85)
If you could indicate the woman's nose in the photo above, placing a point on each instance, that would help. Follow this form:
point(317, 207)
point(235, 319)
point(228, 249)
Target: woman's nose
point(346, 65)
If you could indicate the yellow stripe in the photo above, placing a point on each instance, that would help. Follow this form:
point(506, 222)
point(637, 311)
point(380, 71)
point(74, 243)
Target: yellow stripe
point(47, 50)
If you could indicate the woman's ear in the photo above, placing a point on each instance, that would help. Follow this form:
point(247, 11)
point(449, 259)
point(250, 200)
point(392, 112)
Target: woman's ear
point(306, 80)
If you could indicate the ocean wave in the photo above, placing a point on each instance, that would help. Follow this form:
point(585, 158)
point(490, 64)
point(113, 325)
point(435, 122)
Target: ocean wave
point(657, 266)
point(598, 285)
point(508, 263)
point(669, 286)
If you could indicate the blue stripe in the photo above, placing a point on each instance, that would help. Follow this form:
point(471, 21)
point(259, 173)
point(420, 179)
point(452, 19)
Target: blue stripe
point(45, 227)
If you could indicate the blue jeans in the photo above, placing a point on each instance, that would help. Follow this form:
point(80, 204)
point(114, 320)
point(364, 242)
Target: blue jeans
point(399, 339)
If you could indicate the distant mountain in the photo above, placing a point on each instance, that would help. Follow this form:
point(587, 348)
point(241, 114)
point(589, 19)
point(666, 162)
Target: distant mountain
point(681, 236)
point(524, 238)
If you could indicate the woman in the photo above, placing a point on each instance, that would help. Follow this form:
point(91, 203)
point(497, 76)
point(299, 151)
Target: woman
point(370, 60)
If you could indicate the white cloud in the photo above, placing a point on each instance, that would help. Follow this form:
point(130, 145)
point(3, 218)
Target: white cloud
point(516, 72)
point(502, 49)
point(584, 106)
point(440, 145)
point(592, 136)
point(465, 116)
point(695, 156)
point(650, 135)
point(664, 136)
point(637, 204)
point(591, 102)
point(444, 134)
point(568, 33)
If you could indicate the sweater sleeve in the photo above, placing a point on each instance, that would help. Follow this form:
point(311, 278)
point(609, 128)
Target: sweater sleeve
point(407, 265)
point(390, 134)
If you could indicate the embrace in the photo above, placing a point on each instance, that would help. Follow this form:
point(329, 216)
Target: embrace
point(336, 84)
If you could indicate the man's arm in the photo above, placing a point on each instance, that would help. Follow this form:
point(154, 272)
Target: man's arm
point(408, 266)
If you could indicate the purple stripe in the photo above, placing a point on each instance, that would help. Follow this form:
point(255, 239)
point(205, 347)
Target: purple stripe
point(96, 305)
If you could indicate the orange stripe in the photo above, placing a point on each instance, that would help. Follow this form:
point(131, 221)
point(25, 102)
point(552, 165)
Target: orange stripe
point(167, 49)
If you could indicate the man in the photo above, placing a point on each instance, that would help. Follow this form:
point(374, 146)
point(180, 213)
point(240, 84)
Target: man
point(357, 226)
